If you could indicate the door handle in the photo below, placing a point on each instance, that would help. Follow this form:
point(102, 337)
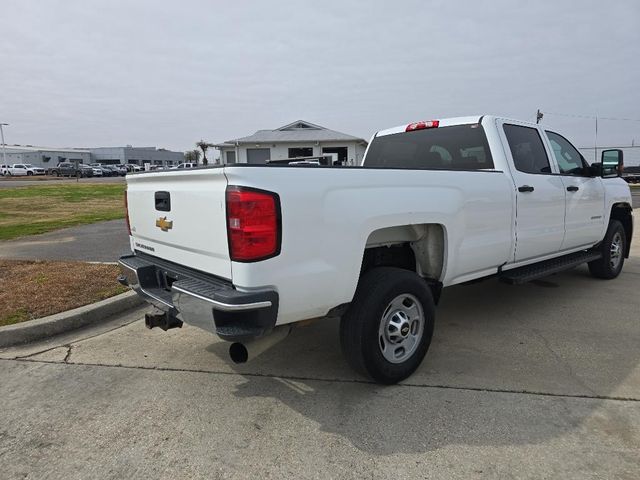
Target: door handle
point(526, 188)
point(572, 188)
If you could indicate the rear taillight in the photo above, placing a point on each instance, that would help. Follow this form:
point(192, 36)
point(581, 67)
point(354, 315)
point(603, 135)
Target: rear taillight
point(422, 125)
point(126, 209)
point(253, 224)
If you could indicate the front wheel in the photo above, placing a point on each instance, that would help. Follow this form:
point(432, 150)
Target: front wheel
point(387, 330)
point(613, 249)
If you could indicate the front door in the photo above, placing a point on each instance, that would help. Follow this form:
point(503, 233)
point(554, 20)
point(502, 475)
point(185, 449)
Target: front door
point(584, 215)
point(539, 193)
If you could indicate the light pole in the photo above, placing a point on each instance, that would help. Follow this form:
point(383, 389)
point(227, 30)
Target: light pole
point(4, 153)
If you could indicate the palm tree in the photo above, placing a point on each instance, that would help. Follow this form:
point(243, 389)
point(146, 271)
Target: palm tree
point(192, 156)
point(203, 146)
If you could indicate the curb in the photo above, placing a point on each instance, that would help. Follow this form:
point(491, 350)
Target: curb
point(70, 320)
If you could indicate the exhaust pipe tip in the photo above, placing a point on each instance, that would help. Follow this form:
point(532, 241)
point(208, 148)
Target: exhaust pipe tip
point(238, 353)
point(241, 352)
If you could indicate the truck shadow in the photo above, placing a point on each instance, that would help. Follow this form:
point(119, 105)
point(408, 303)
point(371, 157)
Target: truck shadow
point(508, 365)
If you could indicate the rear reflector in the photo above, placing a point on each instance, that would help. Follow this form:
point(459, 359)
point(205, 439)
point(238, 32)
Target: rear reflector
point(126, 209)
point(253, 224)
point(422, 125)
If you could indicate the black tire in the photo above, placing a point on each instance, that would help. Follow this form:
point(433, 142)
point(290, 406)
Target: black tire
point(360, 327)
point(56, 173)
point(29, 174)
point(613, 249)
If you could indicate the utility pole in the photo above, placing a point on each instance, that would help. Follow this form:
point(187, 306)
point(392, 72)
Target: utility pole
point(4, 152)
point(595, 143)
point(539, 116)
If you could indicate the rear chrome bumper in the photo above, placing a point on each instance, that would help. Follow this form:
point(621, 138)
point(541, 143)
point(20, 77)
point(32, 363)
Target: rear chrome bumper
point(201, 300)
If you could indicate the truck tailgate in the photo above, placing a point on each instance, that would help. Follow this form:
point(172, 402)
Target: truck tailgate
point(180, 216)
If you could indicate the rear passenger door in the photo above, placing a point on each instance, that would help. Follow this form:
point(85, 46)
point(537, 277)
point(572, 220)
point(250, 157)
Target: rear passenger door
point(540, 193)
point(584, 206)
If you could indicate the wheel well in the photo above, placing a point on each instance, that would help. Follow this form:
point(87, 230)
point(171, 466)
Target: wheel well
point(623, 213)
point(398, 255)
point(418, 248)
point(423, 245)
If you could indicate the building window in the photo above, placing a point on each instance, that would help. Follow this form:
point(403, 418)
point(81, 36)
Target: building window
point(300, 152)
point(231, 157)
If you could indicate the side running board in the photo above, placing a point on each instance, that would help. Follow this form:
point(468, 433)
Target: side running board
point(535, 271)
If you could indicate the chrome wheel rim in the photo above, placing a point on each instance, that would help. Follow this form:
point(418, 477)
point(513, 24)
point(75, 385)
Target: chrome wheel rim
point(401, 328)
point(615, 253)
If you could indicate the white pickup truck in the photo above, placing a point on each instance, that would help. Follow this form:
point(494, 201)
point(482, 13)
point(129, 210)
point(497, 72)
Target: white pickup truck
point(245, 251)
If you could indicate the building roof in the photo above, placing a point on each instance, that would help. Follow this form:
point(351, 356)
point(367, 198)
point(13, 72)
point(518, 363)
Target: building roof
point(34, 148)
point(298, 131)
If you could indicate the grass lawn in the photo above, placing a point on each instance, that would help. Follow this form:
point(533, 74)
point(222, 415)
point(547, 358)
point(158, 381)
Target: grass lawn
point(33, 289)
point(40, 209)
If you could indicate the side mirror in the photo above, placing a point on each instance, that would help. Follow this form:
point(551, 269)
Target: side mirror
point(612, 163)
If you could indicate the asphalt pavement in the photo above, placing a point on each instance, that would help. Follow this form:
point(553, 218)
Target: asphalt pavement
point(97, 242)
point(534, 381)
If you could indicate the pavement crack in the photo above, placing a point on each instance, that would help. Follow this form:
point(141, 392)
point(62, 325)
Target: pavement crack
point(562, 361)
point(68, 355)
point(593, 396)
point(77, 341)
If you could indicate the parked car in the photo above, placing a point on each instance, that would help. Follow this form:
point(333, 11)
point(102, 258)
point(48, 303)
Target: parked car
point(64, 169)
point(4, 170)
point(85, 170)
point(106, 172)
point(21, 169)
point(115, 171)
point(183, 165)
point(133, 168)
point(16, 170)
point(32, 170)
point(434, 204)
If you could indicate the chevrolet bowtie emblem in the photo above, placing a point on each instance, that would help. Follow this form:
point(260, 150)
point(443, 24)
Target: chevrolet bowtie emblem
point(163, 224)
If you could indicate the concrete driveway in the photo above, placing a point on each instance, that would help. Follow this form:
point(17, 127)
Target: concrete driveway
point(535, 381)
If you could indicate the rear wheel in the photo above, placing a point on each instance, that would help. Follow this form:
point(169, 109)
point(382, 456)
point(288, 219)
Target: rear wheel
point(387, 330)
point(613, 249)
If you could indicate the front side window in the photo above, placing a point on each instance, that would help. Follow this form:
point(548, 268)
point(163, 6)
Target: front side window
point(458, 147)
point(527, 149)
point(568, 158)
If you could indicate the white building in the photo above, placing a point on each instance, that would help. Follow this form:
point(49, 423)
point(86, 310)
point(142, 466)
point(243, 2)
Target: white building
point(298, 139)
point(136, 156)
point(45, 157)
point(48, 157)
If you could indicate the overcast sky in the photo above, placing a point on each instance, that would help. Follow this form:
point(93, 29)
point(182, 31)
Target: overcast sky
point(160, 73)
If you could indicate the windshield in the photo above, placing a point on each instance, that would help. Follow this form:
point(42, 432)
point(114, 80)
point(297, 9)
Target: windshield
point(459, 147)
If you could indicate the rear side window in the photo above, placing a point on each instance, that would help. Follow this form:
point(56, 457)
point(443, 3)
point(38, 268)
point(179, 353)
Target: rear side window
point(527, 150)
point(459, 147)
